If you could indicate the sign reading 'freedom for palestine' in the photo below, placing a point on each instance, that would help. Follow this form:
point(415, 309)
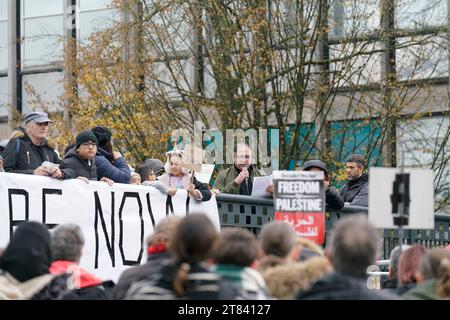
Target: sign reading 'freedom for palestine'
point(299, 200)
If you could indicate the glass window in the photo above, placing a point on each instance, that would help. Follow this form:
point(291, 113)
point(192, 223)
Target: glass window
point(420, 13)
point(426, 144)
point(350, 18)
point(4, 96)
point(172, 82)
point(48, 88)
point(43, 40)
point(3, 46)
point(420, 140)
point(422, 57)
point(169, 31)
point(33, 8)
point(93, 21)
point(292, 21)
point(359, 136)
point(355, 64)
point(3, 9)
point(94, 4)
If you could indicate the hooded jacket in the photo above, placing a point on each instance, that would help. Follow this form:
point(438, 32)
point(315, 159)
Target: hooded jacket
point(24, 156)
point(74, 166)
point(28, 253)
point(118, 172)
point(284, 281)
point(25, 263)
point(356, 192)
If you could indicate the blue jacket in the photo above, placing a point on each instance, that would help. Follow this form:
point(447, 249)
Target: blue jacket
point(118, 172)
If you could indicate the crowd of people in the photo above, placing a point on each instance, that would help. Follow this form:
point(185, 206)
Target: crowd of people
point(93, 157)
point(188, 259)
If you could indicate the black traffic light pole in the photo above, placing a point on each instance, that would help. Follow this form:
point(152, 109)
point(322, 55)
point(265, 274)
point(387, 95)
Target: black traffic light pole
point(400, 201)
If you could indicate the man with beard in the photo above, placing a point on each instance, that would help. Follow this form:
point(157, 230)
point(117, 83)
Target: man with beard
point(238, 179)
point(356, 190)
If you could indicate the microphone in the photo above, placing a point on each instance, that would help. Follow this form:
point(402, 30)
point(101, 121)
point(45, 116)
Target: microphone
point(246, 185)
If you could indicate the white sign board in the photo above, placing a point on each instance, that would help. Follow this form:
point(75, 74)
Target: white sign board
point(205, 173)
point(115, 220)
point(421, 207)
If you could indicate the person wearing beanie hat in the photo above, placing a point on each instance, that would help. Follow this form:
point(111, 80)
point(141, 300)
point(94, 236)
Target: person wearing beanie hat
point(80, 160)
point(333, 198)
point(110, 163)
point(84, 136)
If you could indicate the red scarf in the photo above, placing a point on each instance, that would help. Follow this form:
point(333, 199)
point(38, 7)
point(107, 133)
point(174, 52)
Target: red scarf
point(157, 248)
point(80, 277)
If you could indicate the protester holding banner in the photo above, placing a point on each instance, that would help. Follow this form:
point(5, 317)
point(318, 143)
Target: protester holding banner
point(177, 177)
point(238, 179)
point(79, 161)
point(150, 171)
point(356, 190)
point(135, 178)
point(26, 153)
point(110, 163)
point(333, 198)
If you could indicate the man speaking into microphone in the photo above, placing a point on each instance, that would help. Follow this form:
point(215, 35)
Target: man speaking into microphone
point(238, 179)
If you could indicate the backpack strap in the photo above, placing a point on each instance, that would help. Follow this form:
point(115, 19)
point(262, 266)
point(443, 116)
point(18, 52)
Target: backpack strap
point(17, 146)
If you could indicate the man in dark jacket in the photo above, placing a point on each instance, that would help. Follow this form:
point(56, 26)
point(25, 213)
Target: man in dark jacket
point(27, 153)
point(356, 190)
point(353, 249)
point(333, 199)
point(79, 161)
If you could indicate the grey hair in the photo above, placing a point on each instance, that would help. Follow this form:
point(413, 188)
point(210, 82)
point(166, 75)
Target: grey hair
point(66, 242)
point(358, 159)
point(395, 256)
point(354, 245)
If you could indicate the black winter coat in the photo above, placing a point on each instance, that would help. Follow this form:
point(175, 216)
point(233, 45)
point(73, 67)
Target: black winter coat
point(74, 166)
point(29, 156)
point(333, 199)
point(339, 286)
point(356, 192)
point(151, 268)
point(103, 291)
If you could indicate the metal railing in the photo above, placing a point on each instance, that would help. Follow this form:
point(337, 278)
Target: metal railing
point(252, 213)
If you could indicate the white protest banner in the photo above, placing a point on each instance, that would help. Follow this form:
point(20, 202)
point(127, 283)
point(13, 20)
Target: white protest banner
point(421, 195)
point(115, 220)
point(299, 199)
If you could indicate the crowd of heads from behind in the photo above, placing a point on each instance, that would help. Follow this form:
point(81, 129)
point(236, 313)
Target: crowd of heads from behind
point(188, 258)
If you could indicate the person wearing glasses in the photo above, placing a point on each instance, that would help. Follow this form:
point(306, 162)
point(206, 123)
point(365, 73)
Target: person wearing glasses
point(79, 161)
point(28, 152)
